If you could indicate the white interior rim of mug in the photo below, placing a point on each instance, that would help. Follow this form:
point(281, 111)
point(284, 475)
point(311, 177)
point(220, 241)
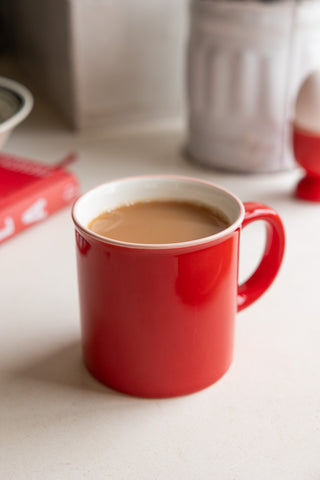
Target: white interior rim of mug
point(129, 190)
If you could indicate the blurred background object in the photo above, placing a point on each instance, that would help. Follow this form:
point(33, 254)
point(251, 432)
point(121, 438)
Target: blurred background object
point(306, 137)
point(246, 60)
point(101, 61)
point(16, 102)
point(108, 62)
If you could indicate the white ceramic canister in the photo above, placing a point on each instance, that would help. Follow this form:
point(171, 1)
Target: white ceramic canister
point(246, 60)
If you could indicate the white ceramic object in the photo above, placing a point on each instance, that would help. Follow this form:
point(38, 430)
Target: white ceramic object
point(246, 61)
point(16, 102)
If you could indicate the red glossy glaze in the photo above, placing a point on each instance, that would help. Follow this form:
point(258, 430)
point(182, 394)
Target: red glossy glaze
point(306, 146)
point(160, 323)
point(270, 263)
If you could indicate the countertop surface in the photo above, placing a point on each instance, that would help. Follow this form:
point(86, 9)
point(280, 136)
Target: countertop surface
point(260, 421)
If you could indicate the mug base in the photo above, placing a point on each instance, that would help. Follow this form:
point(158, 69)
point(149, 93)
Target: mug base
point(159, 392)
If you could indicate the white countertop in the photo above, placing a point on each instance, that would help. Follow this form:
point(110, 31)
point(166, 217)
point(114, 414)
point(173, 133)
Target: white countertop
point(260, 421)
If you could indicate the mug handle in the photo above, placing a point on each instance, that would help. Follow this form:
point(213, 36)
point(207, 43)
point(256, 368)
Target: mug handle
point(261, 279)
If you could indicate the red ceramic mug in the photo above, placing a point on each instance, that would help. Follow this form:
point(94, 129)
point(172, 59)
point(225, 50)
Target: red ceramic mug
point(158, 320)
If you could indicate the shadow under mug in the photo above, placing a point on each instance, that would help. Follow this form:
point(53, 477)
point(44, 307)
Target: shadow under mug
point(158, 320)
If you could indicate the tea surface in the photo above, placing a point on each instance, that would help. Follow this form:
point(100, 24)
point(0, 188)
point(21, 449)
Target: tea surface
point(159, 222)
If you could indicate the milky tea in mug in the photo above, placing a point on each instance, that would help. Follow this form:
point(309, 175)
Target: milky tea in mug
point(159, 221)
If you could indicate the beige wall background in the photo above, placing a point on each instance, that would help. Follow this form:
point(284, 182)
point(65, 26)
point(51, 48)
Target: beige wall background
point(105, 62)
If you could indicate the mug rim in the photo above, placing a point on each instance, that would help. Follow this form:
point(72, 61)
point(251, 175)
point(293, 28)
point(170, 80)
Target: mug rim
point(160, 246)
